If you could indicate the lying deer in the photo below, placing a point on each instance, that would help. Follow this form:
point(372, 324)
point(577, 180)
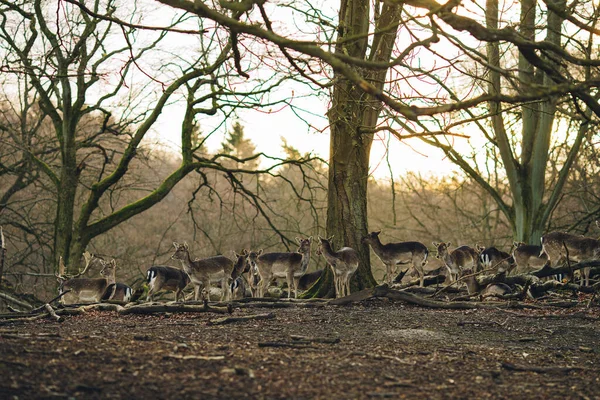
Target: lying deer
point(457, 260)
point(528, 257)
point(118, 292)
point(162, 277)
point(560, 245)
point(493, 289)
point(87, 290)
point(492, 258)
point(200, 271)
point(291, 266)
point(393, 254)
point(343, 262)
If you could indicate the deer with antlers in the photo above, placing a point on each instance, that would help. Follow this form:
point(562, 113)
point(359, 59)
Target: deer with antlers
point(86, 290)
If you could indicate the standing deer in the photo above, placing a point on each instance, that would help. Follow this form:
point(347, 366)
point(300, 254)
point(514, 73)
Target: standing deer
point(392, 254)
point(291, 266)
point(87, 290)
point(200, 271)
point(528, 257)
point(560, 245)
point(162, 277)
point(238, 286)
point(492, 258)
point(253, 278)
point(343, 262)
point(457, 260)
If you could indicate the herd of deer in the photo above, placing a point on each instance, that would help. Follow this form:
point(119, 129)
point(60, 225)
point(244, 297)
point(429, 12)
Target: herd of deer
point(256, 270)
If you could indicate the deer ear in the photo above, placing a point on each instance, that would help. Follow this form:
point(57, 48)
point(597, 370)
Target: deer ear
point(113, 262)
point(330, 238)
point(435, 244)
point(298, 240)
point(175, 244)
point(244, 252)
point(186, 245)
point(259, 252)
point(310, 239)
point(448, 244)
point(376, 233)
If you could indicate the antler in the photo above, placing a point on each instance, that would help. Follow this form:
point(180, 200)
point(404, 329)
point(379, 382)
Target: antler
point(88, 262)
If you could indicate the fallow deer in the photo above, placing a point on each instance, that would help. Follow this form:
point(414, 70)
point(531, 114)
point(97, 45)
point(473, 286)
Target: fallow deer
point(238, 286)
point(492, 258)
point(528, 257)
point(343, 262)
point(291, 266)
point(118, 291)
point(309, 279)
point(393, 254)
point(493, 289)
point(252, 277)
point(200, 271)
point(457, 260)
point(163, 277)
point(87, 290)
point(560, 245)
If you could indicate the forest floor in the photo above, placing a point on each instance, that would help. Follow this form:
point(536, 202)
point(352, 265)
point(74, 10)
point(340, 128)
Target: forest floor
point(374, 349)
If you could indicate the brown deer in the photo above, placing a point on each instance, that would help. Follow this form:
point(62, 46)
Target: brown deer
point(474, 287)
point(528, 257)
point(343, 262)
point(200, 271)
point(86, 290)
point(163, 277)
point(392, 254)
point(291, 266)
point(494, 259)
point(457, 260)
point(560, 245)
point(252, 277)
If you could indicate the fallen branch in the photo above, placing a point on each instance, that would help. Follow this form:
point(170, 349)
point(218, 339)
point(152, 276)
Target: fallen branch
point(15, 301)
point(51, 312)
point(154, 308)
point(244, 318)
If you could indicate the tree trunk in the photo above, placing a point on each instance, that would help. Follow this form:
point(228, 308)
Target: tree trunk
point(352, 116)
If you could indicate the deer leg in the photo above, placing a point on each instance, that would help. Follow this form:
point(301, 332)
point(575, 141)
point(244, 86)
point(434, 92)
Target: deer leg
point(290, 279)
point(196, 291)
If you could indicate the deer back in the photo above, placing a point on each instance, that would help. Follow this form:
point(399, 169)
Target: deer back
point(167, 278)
point(578, 248)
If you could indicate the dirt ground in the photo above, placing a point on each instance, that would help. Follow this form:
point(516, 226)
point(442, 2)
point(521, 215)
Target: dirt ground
point(386, 349)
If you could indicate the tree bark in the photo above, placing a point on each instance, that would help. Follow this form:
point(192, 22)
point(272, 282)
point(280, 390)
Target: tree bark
point(352, 116)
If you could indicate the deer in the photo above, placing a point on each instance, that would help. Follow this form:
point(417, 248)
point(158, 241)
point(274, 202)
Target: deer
point(493, 289)
point(253, 278)
point(200, 271)
point(492, 258)
point(528, 257)
point(118, 292)
point(163, 277)
point(291, 266)
point(392, 254)
point(238, 286)
point(309, 279)
point(560, 246)
point(75, 290)
point(343, 263)
point(457, 260)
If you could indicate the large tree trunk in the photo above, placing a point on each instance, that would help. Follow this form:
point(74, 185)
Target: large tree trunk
point(352, 116)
